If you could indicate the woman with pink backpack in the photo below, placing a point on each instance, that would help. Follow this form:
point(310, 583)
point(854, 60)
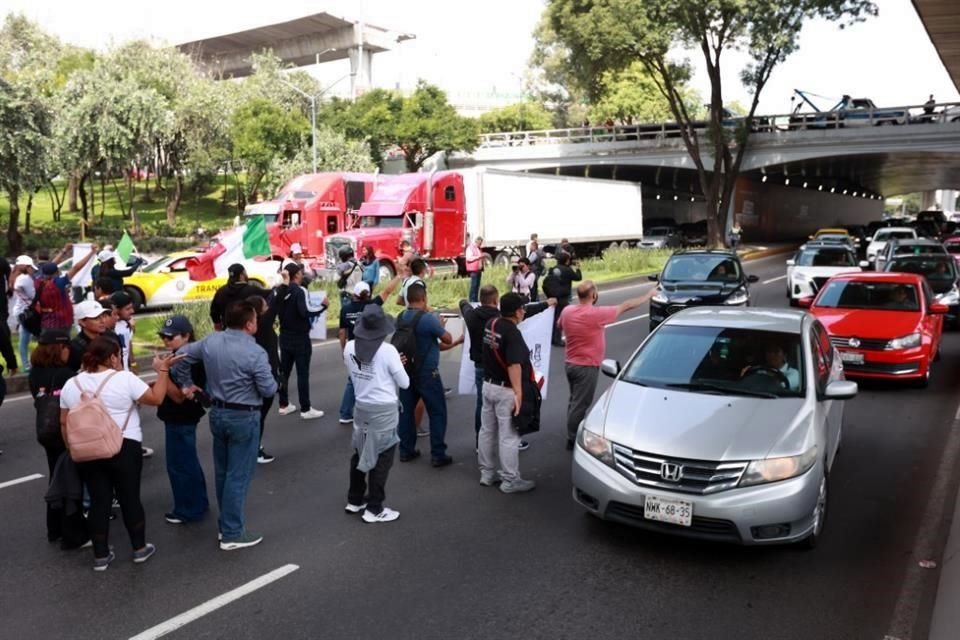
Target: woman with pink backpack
point(103, 387)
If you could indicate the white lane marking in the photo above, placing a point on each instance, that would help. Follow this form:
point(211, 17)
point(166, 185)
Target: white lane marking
point(210, 606)
point(620, 322)
point(778, 278)
point(925, 546)
point(10, 483)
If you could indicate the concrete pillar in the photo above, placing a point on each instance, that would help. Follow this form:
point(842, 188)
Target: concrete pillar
point(927, 200)
point(948, 200)
point(361, 65)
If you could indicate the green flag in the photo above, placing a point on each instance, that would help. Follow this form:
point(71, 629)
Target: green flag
point(256, 241)
point(125, 248)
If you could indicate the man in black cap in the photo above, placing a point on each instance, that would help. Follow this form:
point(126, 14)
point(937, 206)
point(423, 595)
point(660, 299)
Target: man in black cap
point(236, 289)
point(295, 345)
point(377, 374)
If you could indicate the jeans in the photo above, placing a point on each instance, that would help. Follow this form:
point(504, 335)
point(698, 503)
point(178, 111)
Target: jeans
point(583, 384)
point(427, 386)
point(498, 448)
point(187, 482)
point(299, 356)
point(25, 338)
point(478, 381)
point(70, 530)
point(120, 476)
point(475, 286)
point(370, 488)
point(349, 399)
point(235, 444)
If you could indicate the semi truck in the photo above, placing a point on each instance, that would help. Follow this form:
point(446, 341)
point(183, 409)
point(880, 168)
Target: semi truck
point(438, 213)
point(310, 207)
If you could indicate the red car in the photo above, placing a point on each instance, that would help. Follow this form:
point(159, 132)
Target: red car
point(885, 325)
point(952, 245)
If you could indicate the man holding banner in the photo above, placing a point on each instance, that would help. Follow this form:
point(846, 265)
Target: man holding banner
point(583, 325)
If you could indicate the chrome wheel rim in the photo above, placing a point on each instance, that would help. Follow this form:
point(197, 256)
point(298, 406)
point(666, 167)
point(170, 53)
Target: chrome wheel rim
point(820, 508)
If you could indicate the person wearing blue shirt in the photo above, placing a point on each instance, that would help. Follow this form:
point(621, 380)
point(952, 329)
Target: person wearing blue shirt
point(425, 384)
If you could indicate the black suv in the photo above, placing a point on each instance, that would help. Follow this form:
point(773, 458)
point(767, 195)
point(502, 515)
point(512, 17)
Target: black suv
point(697, 278)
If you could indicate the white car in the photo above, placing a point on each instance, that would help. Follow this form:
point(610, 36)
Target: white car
point(880, 239)
point(813, 265)
point(660, 238)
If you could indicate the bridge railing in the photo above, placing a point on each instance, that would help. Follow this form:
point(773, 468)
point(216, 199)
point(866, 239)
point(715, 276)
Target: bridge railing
point(661, 133)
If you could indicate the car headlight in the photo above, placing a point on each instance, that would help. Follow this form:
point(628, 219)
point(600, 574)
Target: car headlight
point(739, 296)
point(777, 469)
point(904, 342)
point(659, 297)
point(951, 297)
point(596, 445)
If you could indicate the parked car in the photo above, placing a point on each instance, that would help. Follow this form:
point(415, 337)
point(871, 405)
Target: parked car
point(721, 426)
point(886, 325)
point(661, 238)
point(910, 246)
point(694, 233)
point(940, 272)
point(810, 268)
point(697, 278)
point(882, 236)
point(952, 245)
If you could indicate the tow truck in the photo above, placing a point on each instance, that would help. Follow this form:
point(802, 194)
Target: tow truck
point(849, 112)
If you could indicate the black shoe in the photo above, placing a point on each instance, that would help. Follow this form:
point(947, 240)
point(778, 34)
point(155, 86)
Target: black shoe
point(407, 457)
point(569, 445)
point(524, 445)
point(173, 518)
point(445, 461)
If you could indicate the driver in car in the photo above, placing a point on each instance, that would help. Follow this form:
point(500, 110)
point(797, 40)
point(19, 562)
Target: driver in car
point(899, 298)
point(776, 358)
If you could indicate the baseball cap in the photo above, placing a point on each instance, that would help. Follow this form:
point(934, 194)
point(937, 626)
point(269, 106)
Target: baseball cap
point(54, 336)
point(236, 269)
point(175, 325)
point(509, 303)
point(89, 309)
point(296, 248)
point(25, 261)
point(120, 299)
point(361, 288)
point(49, 269)
point(105, 255)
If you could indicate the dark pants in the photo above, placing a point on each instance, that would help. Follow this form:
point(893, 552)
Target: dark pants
point(120, 476)
point(70, 530)
point(478, 380)
point(534, 289)
point(264, 411)
point(475, 286)
point(426, 386)
point(187, 482)
point(296, 353)
point(583, 384)
point(562, 303)
point(349, 399)
point(370, 487)
point(235, 444)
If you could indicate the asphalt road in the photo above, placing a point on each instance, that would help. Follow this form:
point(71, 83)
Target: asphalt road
point(464, 561)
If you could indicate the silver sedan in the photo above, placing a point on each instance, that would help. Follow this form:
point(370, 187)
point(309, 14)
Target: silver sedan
point(723, 425)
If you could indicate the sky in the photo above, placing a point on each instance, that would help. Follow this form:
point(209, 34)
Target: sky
point(474, 48)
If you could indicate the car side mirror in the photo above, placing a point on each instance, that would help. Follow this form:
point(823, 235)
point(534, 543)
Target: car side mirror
point(841, 390)
point(938, 309)
point(610, 368)
point(864, 264)
point(653, 277)
point(752, 278)
point(791, 263)
point(805, 303)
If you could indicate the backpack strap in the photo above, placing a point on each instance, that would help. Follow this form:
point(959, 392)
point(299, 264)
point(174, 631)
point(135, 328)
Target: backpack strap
point(495, 346)
point(96, 394)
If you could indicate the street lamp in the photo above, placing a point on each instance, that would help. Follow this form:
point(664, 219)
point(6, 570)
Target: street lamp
point(313, 110)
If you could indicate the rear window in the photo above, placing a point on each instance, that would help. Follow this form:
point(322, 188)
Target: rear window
point(943, 269)
point(826, 258)
point(884, 236)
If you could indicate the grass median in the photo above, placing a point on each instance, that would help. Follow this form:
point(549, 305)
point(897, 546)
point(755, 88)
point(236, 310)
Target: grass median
point(444, 292)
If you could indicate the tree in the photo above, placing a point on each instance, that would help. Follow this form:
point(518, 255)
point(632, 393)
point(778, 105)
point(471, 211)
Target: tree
point(607, 35)
point(24, 132)
point(262, 132)
point(334, 153)
point(630, 95)
point(372, 117)
point(428, 124)
point(522, 116)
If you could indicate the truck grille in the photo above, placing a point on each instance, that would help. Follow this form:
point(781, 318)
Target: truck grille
point(868, 344)
point(695, 476)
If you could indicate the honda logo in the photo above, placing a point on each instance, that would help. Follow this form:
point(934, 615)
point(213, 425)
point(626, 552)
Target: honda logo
point(671, 472)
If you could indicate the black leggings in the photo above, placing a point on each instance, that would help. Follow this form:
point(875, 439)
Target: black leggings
point(118, 475)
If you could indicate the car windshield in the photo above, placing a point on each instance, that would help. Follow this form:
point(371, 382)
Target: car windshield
point(384, 222)
point(932, 269)
point(158, 264)
point(699, 268)
point(826, 258)
point(720, 360)
point(833, 239)
point(854, 294)
point(885, 236)
point(296, 195)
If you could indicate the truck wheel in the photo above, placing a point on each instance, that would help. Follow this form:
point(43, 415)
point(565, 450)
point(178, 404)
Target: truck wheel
point(502, 260)
point(387, 271)
point(625, 244)
point(137, 296)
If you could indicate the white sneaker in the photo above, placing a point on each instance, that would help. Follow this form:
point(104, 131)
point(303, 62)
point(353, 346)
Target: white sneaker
point(287, 410)
point(355, 508)
point(311, 415)
point(387, 515)
point(519, 485)
point(346, 420)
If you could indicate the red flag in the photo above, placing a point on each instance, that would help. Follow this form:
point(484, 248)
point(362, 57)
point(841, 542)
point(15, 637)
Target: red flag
point(202, 267)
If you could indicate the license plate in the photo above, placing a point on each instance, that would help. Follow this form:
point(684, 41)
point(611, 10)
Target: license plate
point(664, 510)
point(851, 357)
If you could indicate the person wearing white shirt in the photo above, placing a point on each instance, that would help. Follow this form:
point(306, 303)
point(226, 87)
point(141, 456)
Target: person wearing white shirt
point(377, 372)
point(24, 291)
point(418, 269)
point(521, 279)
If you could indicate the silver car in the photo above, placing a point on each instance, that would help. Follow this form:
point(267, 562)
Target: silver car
point(723, 425)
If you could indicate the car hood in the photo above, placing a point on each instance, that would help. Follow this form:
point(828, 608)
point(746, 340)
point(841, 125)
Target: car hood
point(700, 426)
point(824, 272)
point(678, 291)
point(868, 323)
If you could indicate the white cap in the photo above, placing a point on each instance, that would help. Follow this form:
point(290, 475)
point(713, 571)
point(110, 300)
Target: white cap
point(361, 288)
point(296, 248)
point(88, 309)
point(25, 261)
point(105, 255)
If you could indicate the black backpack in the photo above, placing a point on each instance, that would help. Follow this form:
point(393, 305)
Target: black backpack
point(552, 287)
point(48, 420)
point(405, 340)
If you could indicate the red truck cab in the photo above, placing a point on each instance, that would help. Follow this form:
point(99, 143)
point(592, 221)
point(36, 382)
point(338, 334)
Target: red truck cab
point(311, 207)
point(426, 209)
